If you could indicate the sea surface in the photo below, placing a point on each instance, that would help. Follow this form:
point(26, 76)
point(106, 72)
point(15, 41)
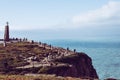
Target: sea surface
point(105, 55)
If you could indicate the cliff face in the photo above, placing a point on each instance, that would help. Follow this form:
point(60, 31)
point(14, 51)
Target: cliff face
point(75, 65)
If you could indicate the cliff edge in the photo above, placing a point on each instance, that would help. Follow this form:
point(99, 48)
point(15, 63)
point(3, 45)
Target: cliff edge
point(74, 65)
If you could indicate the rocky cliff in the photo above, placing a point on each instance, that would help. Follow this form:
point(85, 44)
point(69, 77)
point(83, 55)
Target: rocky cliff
point(75, 65)
point(26, 57)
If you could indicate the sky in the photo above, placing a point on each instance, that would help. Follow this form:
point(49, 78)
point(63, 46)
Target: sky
point(62, 18)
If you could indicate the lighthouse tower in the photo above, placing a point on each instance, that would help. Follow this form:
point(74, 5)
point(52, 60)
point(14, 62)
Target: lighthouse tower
point(6, 34)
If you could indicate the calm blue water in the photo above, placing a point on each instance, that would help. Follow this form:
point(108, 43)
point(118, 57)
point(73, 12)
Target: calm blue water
point(105, 55)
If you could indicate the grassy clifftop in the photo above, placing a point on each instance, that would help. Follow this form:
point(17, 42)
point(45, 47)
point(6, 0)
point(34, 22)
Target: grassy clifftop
point(22, 47)
point(38, 58)
point(14, 54)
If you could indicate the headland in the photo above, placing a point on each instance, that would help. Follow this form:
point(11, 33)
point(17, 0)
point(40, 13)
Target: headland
point(26, 57)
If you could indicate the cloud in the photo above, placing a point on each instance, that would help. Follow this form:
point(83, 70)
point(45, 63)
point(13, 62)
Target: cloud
point(108, 14)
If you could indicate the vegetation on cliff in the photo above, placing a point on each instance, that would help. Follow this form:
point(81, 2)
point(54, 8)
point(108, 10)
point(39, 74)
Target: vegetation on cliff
point(40, 58)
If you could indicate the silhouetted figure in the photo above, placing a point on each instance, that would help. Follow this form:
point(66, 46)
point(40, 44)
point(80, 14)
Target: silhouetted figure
point(40, 43)
point(32, 42)
point(50, 47)
point(67, 48)
point(16, 39)
point(23, 39)
point(44, 45)
point(20, 40)
point(26, 39)
point(74, 50)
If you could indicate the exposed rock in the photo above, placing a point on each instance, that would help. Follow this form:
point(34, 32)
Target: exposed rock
point(76, 65)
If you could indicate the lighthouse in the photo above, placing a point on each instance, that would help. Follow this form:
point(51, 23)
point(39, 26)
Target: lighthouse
point(6, 34)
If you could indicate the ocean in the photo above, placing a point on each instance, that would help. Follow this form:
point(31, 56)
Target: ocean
point(105, 55)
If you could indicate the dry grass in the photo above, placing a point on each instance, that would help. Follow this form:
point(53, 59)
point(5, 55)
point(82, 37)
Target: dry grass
point(36, 77)
point(18, 51)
